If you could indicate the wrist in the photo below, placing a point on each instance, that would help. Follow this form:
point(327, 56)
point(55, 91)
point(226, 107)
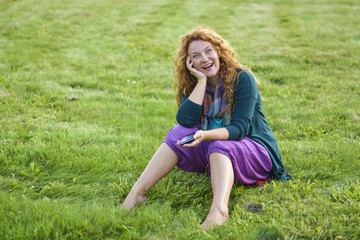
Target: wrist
point(205, 135)
point(202, 80)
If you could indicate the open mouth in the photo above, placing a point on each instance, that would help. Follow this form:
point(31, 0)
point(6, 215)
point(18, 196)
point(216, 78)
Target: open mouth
point(208, 66)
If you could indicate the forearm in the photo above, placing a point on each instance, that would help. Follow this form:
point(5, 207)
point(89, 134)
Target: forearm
point(216, 134)
point(209, 135)
point(189, 112)
point(197, 95)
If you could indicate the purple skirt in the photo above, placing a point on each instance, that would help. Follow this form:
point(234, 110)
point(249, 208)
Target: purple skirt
point(250, 160)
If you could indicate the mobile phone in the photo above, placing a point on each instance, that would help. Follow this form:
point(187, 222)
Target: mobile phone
point(187, 139)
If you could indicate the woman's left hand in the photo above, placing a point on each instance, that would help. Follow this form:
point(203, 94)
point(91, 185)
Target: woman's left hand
point(198, 138)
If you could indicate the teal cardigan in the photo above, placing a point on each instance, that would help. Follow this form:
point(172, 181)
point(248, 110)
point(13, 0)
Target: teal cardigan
point(247, 119)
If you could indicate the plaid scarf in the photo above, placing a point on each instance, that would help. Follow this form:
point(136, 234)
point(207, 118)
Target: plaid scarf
point(217, 107)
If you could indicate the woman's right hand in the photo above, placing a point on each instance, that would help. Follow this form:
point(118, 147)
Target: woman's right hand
point(197, 95)
point(199, 75)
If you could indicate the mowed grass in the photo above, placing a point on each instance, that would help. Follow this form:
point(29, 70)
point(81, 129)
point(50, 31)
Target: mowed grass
point(66, 165)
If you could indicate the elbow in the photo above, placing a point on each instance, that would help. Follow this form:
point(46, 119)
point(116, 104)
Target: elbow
point(186, 122)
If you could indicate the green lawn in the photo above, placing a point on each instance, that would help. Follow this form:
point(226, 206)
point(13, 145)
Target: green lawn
point(66, 165)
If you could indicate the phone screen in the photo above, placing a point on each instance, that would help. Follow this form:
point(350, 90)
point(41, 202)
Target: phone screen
point(187, 139)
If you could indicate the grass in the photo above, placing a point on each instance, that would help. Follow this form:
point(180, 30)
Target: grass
point(65, 165)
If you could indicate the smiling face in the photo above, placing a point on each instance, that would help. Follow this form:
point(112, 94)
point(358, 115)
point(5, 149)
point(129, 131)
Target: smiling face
point(204, 58)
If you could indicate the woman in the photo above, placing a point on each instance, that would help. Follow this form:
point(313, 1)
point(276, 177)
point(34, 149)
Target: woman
point(219, 100)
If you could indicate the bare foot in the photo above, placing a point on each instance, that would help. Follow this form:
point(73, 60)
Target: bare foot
point(132, 200)
point(215, 218)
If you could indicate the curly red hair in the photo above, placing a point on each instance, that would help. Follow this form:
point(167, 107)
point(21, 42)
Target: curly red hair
point(185, 82)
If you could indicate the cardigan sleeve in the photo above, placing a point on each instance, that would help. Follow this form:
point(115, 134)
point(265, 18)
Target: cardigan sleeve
point(189, 113)
point(246, 94)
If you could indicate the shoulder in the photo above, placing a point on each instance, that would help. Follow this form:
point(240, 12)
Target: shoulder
point(244, 78)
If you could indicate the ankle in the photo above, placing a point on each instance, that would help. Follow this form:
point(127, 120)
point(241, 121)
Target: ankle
point(217, 216)
point(137, 192)
point(223, 211)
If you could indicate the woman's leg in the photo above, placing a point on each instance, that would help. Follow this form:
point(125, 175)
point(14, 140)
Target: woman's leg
point(222, 180)
point(163, 161)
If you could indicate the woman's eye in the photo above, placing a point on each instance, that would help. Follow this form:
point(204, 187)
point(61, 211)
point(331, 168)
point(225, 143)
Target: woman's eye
point(209, 50)
point(195, 56)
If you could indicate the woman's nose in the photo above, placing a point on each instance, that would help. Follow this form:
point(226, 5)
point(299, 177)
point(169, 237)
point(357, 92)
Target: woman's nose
point(204, 58)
